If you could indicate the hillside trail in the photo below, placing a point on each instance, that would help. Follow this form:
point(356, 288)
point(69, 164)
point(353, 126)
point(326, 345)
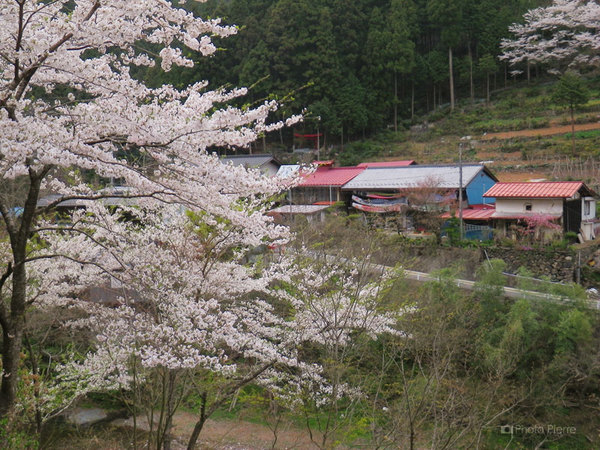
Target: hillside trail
point(549, 131)
point(241, 434)
point(232, 434)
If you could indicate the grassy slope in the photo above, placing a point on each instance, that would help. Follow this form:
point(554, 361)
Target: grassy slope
point(435, 138)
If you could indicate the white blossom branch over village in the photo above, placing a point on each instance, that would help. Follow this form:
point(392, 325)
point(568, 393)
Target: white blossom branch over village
point(177, 240)
point(69, 106)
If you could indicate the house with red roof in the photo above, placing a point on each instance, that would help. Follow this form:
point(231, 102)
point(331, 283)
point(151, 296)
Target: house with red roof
point(323, 186)
point(568, 205)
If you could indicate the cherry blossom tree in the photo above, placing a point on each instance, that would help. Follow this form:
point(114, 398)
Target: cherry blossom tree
point(175, 243)
point(337, 307)
point(539, 226)
point(69, 108)
point(563, 34)
point(191, 318)
point(187, 308)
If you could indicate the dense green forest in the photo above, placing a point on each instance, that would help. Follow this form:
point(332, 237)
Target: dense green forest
point(358, 66)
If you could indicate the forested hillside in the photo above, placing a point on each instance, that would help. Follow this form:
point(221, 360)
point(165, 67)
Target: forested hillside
point(147, 293)
point(358, 65)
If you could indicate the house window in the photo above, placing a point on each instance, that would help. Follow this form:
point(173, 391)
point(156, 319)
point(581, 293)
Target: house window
point(587, 207)
point(527, 206)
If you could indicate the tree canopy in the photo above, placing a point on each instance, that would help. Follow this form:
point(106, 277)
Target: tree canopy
point(320, 51)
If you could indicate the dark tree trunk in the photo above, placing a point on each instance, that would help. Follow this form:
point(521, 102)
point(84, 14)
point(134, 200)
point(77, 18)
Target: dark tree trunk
point(199, 425)
point(13, 321)
point(412, 100)
point(471, 85)
point(395, 101)
point(451, 78)
point(573, 129)
point(11, 349)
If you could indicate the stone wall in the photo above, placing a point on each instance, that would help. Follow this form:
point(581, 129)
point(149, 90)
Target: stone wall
point(429, 258)
point(559, 265)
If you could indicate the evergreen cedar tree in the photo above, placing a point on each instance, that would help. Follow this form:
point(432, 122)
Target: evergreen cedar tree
point(358, 65)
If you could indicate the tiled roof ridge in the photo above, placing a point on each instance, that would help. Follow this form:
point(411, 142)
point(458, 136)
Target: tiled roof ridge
point(535, 189)
point(325, 168)
point(246, 155)
point(424, 166)
point(539, 182)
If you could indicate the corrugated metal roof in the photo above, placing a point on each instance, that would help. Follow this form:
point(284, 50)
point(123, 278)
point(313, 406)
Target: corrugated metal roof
point(472, 214)
point(558, 189)
point(287, 170)
point(334, 176)
point(250, 160)
point(48, 199)
point(387, 164)
point(410, 177)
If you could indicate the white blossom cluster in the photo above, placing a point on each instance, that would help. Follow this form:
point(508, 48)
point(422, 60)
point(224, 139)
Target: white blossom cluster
point(87, 47)
point(565, 34)
point(330, 305)
point(69, 105)
point(188, 302)
point(176, 247)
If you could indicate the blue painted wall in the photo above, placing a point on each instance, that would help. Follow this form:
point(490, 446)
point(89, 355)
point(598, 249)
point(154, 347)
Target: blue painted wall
point(477, 187)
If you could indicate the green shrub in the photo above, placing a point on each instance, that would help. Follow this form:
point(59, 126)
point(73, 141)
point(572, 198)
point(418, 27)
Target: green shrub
point(585, 134)
point(13, 437)
point(571, 237)
point(510, 146)
point(357, 152)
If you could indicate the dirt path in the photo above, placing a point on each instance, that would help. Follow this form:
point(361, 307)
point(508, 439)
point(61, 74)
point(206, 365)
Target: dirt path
point(229, 434)
point(562, 129)
point(241, 435)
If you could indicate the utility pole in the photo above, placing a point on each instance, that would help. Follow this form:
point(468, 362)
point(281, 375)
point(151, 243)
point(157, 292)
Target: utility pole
point(460, 195)
point(460, 186)
point(318, 143)
point(318, 138)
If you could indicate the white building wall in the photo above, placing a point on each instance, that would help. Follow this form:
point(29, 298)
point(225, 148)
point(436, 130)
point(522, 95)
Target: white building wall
point(538, 205)
point(589, 212)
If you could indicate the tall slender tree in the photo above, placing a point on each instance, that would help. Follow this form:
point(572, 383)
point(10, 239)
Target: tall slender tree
point(399, 47)
point(570, 91)
point(447, 15)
